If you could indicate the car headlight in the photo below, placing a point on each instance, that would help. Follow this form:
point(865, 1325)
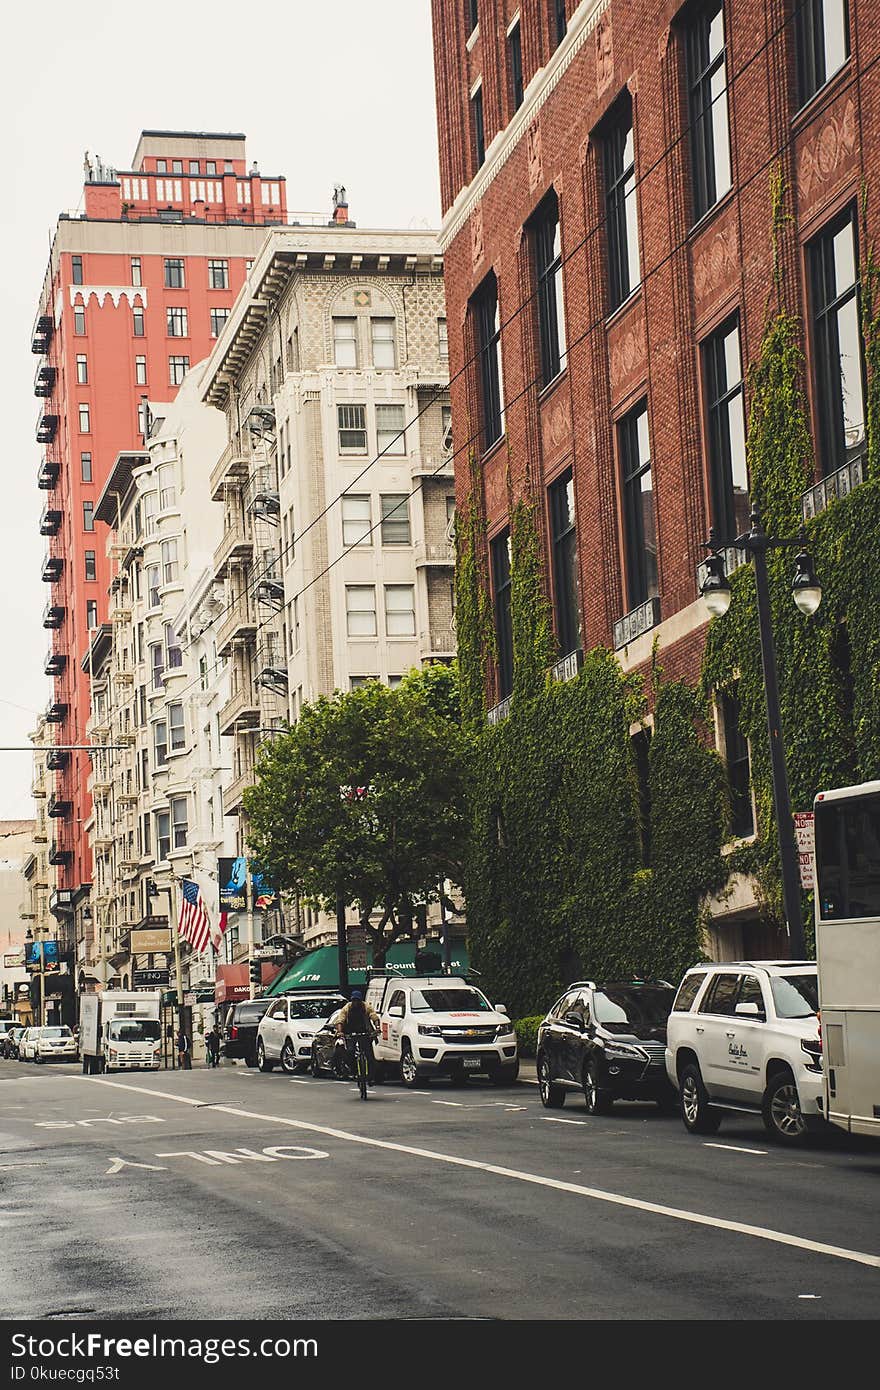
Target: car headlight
point(813, 1049)
point(429, 1031)
point(504, 1030)
point(305, 1037)
point(625, 1051)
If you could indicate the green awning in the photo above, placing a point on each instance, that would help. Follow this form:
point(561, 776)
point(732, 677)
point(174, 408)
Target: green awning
point(320, 969)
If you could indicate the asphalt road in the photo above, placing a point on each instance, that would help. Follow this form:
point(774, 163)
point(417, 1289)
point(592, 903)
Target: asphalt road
point(231, 1194)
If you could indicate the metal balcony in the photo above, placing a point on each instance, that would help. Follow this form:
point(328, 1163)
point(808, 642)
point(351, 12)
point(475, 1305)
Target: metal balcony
point(567, 667)
point(44, 381)
point(47, 474)
point(242, 710)
point(57, 759)
point(270, 590)
point(47, 428)
point(637, 622)
point(238, 624)
point(55, 663)
point(41, 333)
point(60, 853)
point(838, 484)
point(58, 807)
point(437, 643)
point(435, 553)
point(233, 794)
point(262, 496)
point(231, 468)
point(53, 615)
point(50, 521)
point(270, 669)
point(52, 568)
point(260, 420)
point(237, 545)
point(56, 712)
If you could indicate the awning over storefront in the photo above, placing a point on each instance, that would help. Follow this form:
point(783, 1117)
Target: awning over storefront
point(233, 981)
point(320, 969)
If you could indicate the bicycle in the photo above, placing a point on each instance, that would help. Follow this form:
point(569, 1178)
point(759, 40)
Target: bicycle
point(361, 1066)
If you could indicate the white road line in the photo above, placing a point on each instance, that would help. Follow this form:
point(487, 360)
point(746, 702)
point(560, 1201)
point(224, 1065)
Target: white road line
point(737, 1149)
point(695, 1218)
point(556, 1120)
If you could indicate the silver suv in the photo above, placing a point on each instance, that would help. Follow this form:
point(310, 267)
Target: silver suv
point(745, 1036)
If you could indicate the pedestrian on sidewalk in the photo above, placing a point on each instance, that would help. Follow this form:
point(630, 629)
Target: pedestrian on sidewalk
point(184, 1060)
point(212, 1046)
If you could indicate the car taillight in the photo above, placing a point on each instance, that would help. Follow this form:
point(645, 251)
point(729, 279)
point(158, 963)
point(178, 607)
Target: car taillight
point(233, 1033)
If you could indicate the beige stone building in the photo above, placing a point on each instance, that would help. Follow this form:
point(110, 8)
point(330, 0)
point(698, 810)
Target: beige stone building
point(336, 480)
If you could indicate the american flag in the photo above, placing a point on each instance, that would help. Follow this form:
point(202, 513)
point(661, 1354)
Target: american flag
point(193, 924)
point(217, 936)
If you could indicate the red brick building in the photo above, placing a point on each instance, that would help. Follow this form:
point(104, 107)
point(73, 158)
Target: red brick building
point(605, 177)
point(139, 283)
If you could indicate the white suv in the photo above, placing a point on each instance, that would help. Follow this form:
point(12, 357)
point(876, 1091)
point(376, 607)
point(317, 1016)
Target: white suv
point(441, 1024)
point(288, 1027)
point(744, 1035)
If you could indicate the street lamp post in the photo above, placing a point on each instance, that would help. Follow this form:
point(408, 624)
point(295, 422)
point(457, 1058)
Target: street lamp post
point(807, 595)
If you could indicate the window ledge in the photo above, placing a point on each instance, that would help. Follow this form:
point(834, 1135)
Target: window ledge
point(732, 845)
point(552, 384)
point(711, 213)
point(622, 308)
point(472, 38)
point(493, 449)
point(821, 98)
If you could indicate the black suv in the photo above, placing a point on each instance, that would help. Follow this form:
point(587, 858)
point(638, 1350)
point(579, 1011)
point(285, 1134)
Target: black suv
point(608, 1041)
point(240, 1033)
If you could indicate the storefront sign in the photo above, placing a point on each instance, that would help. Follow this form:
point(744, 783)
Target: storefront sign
point(151, 939)
point(151, 979)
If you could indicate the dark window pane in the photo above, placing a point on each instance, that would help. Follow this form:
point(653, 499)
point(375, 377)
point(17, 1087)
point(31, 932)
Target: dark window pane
point(514, 44)
point(822, 31)
point(547, 246)
point(488, 335)
point(639, 525)
point(848, 857)
point(728, 476)
point(479, 127)
point(837, 343)
point(566, 590)
point(736, 757)
point(707, 84)
point(500, 549)
point(621, 212)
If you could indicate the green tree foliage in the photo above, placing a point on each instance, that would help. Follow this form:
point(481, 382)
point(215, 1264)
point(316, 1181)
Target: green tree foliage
point(364, 797)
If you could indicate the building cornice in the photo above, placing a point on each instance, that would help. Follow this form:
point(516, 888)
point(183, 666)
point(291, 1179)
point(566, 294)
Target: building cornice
point(580, 27)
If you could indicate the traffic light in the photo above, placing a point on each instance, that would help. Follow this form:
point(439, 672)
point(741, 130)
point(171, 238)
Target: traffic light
point(256, 973)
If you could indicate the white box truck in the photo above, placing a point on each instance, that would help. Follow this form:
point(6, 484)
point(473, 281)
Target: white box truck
point(120, 1030)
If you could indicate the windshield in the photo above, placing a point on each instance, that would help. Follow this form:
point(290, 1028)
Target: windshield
point(620, 1007)
point(795, 996)
point(449, 1001)
point(132, 1030)
point(313, 1008)
point(55, 1032)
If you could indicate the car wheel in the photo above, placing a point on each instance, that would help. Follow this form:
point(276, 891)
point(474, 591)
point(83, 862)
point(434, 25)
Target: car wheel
point(314, 1064)
point(251, 1059)
point(552, 1095)
point(409, 1070)
point(599, 1100)
point(698, 1115)
point(262, 1060)
point(781, 1110)
point(289, 1063)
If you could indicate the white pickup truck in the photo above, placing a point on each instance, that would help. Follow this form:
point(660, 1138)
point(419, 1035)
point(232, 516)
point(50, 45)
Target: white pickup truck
point(120, 1029)
point(441, 1024)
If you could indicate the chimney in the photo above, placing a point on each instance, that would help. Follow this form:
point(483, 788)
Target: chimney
point(340, 205)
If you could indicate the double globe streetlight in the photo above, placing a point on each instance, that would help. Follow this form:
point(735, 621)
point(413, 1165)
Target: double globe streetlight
point(806, 592)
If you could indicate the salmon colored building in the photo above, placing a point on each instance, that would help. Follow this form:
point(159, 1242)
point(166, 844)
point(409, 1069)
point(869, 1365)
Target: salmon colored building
point(140, 281)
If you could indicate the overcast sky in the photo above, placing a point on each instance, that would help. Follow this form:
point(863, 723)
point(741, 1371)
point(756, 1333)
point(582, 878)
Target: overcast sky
point(339, 91)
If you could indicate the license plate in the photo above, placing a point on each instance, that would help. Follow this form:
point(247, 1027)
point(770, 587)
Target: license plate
point(472, 1063)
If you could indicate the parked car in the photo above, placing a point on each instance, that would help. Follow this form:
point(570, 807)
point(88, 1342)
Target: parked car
point(287, 1029)
point(240, 1033)
point(25, 1045)
point(54, 1043)
point(607, 1042)
point(744, 1035)
point(328, 1051)
point(433, 1025)
point(9, 1035)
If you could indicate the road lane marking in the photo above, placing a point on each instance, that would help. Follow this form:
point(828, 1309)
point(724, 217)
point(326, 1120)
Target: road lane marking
point(557, 1120)
point(117, 1165)
point(594, 1193)
point(737, 1149)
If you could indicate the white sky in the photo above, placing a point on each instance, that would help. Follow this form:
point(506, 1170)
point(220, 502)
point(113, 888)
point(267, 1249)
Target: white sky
point(326, 92)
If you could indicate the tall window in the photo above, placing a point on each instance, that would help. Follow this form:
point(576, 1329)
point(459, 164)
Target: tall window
point(487, 324)
point(178, 821)
point(395, 518)
point(514, 54)
point(174, 274)
point(163, 834)
point(837, 343)
point(400, 615)
point(88, 516)
point(136, 270)
point(356, 519)
point(639, 521)
point(79, 320)
point(560, 22)
point(177, 369)
point(174, 656)
point(566, 591)
point(153, 583)
point(345, 352)
point(91, 613)
point(547, 244)
point(391, 429)
point(352, 423)
point(85, 466)
point(479, 129)
point(707, 83)
point(177, 322)
point(218, 318)
point(621, 210)
point(82, 369)
point(473, 14)
point(137, 322)
point(736, 757)
point(218, 275)
point(728, 476)
point(443, 340)
point(76, 270)
point(500, 556)
point(169, 562)
point(157, 665)
point(160, 742)
point(382, 338)
point(822, 43)
point(140, 371)
point(360, 610)
point(90, 568)
point(176, 728)
point(84, 420)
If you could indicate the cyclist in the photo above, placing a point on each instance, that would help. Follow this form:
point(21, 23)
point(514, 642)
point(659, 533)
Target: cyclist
point(358, 1017)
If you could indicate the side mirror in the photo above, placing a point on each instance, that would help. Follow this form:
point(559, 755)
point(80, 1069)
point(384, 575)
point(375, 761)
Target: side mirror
point(749, 1011)
point(395, 1012)
point(501, 1008)
point(575, 1021)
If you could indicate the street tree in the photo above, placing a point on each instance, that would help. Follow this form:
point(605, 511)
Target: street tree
point(363, 798)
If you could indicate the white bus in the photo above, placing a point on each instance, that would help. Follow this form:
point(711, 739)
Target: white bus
point(847, 890)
